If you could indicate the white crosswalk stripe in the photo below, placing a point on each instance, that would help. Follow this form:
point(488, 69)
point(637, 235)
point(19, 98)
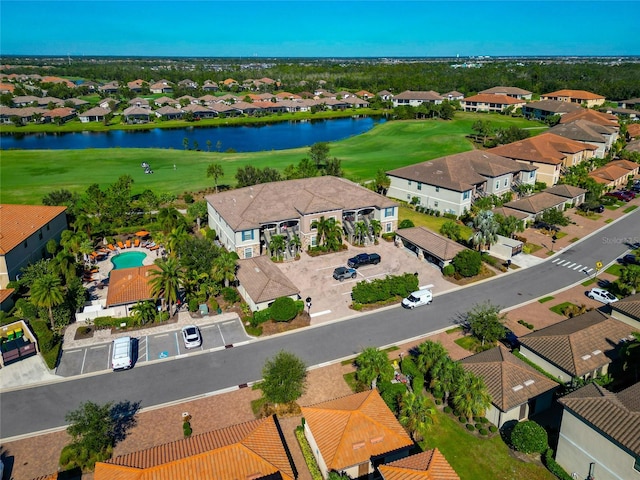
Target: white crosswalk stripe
point(576, 267)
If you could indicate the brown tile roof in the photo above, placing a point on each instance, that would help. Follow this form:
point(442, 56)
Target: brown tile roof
point(427, 465)
point(491, 98)
point(5, 293)
point(554, 106)
point(19, 222)
point(633, 129)
point(609, 173)
point(439, 246)
point(429, 95)
point(616, 415)
point(583, 131)
point(629, 306)
point(263, 280)
point(460, 172)
point(566, 191)
point(577, 94)
point(544, 148)
point(536, 203)
point(507, 212)
point(633, 146)
point(581, 344)
point(248, 207)
point(251, 450)
point(352, 429)
point(509, 380)
point(129, 285)
point(593, 116)
point(500, 90)
point(95, 112)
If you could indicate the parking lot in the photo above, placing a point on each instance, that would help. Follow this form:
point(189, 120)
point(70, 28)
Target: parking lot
point(147, 348)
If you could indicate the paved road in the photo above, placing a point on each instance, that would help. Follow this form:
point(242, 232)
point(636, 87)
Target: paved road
point(44, 407)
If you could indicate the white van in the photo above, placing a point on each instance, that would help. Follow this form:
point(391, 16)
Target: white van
point(121, 356)
point(417, 298)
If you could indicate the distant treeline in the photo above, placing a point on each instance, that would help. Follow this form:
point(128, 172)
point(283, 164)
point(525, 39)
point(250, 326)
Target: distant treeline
point(616, 80)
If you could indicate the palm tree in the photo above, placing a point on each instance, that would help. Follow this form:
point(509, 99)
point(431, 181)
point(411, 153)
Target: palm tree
point(166, 280)
point(215, 170)
point(470, 396)
point(445, 376)
point(277, 245)
point(416, 415)
point(224, 268)
point(144, 312)
point(84, 223)
point(333, 240)
point(72, 242)
point(486, 227)
point(176, 239)
point(168, 218)
point(47, 292)
point(322, 225)
point(295, 244)
point(450, 229)
point(428, 354)
point(64, 264)
point(373, 365)
point(376, 227)
point(360, 231)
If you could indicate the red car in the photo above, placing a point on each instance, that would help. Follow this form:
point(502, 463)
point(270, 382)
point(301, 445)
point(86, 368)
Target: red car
point(622, 195)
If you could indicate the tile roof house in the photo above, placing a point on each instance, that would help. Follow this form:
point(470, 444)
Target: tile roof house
point(24, 233)
point(633, 146)
point(514, 92)
point(136, 85)
point(585, 131)
point(129, 285)
point(245, 218)
point(547, 108)
point(261, 282)
point(581, 97)
point(427, 465)
point(453, 95)
point(627, 310)
point(535, 205)
point(487, 102)
point(450, 184)
point(351, 434)
point(593, 116)
point(615, 173)
point(517, 390)
point(385, 95)
point(549, 152)
point(168, 112)
point(429, 246)
point(136, 114)
point(582, 346)
point(109, 88)
point(633, 130)
point(600, 433)
point(251, 450)
point(631, 103)
point(161, 86)
point(210, 86)
point(416, 98)
point(95, 114)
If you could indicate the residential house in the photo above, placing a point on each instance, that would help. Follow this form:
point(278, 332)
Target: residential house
point(6, 88)
point(616, 173)
point(624, 113)
point(128, 286)
point(385, 95)
point(543, 109)
point(187, 83)
point(95, 114)
point(517, 390)
point(109, 88)
point(428, 245)
point(632, 103)
point(633, 146)
point(230, 82)
point(451, 184)
point(136, 115)
point(162, 101)
point(582, 97)
point(139, 102)
point(356, 102)
point(352, 435)
point(633, 130)
point(486, 102)
point(60, 114)
point(245, 219)
point(77, 102)
point(416, 98)
point(365, 94)
point(51, 79)
point(627, 310)
point(6, 299)
point(136, 86)
point(169, 113)
point(513, 92)
point(600, 433)
point(427, 465)
point(592, 116)
point(573, 196)
point(252, 450)
point(580, 347)
point(549, 152)
point(261, 282)
point(161, 86)
point(25, 101)
point(335, 104)
point(23, 115)
point(535, 205)
point(453, 95)
point(210, 86)
point(26, 229)
point(584, 131)
point(110, 103)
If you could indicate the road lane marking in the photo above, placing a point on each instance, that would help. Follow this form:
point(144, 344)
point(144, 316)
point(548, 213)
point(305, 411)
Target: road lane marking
point(588, 271)
point(323, 312)
point(579, 266)
point(556, 260)
point(83, 359)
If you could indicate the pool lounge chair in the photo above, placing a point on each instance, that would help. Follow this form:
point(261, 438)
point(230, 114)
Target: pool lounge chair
point(111, 247)
point(155, 247)
point(136, 242)
point(120, 244)
point(128, 243)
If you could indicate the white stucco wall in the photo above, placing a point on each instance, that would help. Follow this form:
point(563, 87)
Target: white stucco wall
point(437, 198)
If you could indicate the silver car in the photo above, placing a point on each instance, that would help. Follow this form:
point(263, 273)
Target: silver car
point(191, 336)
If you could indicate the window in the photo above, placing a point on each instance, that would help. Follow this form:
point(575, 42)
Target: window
point(497, 184)
point(47, 227)
point(409, 196)
point(314, 241)
point(419, 186)
point(435, 204)
point(506, 182)
point(25, 244)
point(465, 195)
point(409, 182)
point(437, 189)
point(532, 173)
point(388, 212)
point(247, 235)
point(636, 465)
point(387, 227)
point(248, 252)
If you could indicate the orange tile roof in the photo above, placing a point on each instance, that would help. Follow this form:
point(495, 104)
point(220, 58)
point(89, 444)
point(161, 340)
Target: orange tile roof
point(609, 173)
point(492, 98)
point(250, 450)
point(5, 293)
point(7, 87)
point(428, 465)
point(579, 94)
point(592, 116)
point(352, 429)
point(544, 148)
point(129, 285)
point(19, 222)
point(633, 129)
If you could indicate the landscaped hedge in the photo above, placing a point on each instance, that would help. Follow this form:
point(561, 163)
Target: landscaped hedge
point(383, 289)
point(409, 368)
point(529, 437)
point(48, 342)
point(391, 392)
point(467, 263)
point(111, 322)
point(553, 466)
point(307, 453)
point(283, 309)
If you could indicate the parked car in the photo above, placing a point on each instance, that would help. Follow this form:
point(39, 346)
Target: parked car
point(630, 259)
point(545, 226)
point(636, 187)
point(121, 356)
point(601, 295)
point(191, 336)
point(341, 273)
point(510, 339)
point(622, 195)
point(363, 259)
point(589, 207)
point(417, 298)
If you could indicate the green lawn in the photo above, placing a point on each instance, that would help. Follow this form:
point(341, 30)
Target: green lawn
point(559, 309)
point(428, 221)
point(477, 458)
point(28, 175)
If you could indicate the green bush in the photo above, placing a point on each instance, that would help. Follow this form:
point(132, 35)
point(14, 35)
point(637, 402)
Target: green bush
point(193, 304)
point(447, 409)
point(230, 295)
point(391, 392)
point(483, 431)
point(381, 289)
point(26, 309)
point(406, 223)
point(467, 263)
point(493, 428)
point(470, 427)
point(186, 429)
point(528, 325)
point(451, 216)
point(389, 236)
point(462, 419)
point(283, 309)
point(307, 453)
point(449, 270)
point(529, 437)
point(261, 316)
point(553, 466)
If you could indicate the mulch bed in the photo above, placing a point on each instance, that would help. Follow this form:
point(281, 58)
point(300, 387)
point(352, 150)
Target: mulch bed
point(271, 327)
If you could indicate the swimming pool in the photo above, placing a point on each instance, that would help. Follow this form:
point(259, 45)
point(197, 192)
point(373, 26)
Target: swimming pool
point(128, 260)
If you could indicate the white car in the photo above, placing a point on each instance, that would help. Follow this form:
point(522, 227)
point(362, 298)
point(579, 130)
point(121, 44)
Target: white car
point(191, 336)
point(121, 356)
point(417, 298)
point(602, 295)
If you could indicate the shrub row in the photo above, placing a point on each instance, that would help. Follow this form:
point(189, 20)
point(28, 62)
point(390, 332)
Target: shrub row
point(409, 368)
point(553, 466)
point(528, 325)
point(384, 289)
point(48, 342)
point(307, 453)
point(281, 314)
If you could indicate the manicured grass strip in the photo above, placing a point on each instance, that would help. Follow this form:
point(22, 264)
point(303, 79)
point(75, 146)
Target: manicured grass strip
point(350, 379)
point(561, 307)
point(574, 239)
point(546, 299)
point(453, 330)
point(630, 209)
point(591, 281)
point(560, 235)
point(428, 221)
point(468, 342)
point(614, 269)
point(608, 220)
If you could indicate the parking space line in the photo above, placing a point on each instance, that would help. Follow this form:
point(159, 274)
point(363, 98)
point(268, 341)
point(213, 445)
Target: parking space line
point(162, 335)
point(146, 348)
point(324, 312)
point(556, 260)
point(84, 357)
point(588, 271)
point(221, 336)
point(177, 343)
point(227, 323)
point(109, 357)
point(73, 351)
point(326, 268)
point(97, 347)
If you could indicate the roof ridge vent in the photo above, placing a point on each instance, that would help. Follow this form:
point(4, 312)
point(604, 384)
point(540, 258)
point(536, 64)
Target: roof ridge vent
point(517, 388)
point(529, 382)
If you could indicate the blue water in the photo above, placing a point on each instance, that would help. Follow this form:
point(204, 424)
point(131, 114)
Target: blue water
point(128, 260)
point(277, 136)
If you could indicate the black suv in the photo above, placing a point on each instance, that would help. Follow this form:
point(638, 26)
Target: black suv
point(364, 259)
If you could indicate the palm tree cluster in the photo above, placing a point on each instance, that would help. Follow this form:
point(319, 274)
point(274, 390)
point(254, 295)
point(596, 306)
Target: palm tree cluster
point(329, 234)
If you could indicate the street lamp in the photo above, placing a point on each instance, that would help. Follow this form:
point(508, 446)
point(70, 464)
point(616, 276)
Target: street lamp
point(308, 300)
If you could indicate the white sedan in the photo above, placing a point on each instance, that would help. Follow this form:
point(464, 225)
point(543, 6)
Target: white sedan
point(191, 336)
point(602, 295)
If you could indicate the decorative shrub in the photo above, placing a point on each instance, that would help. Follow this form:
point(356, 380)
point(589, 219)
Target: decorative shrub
point(493, 428)
point(382, 289)
point(307, 453)
point(214, 305)
point(462, 419)
point(406, 223)
point(186, 429)
point(193, 304)
point(389, 236)
point(447, 409)
point(438, 401)
point(554, 467)
point(529, 437)
point(483, 431)
point(470, 427)
point(391, 392)
point(478, 426)
point(283, 309)
point(483, 420)
point(467, 262)
point(230, 295)
point(528, 325)
point(449, 270)
point(452, 216)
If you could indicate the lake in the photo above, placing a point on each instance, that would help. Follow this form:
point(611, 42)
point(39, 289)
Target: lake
point(251, 138)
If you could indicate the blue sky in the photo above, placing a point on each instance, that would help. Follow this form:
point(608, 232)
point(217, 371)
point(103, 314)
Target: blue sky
point(304, 28)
